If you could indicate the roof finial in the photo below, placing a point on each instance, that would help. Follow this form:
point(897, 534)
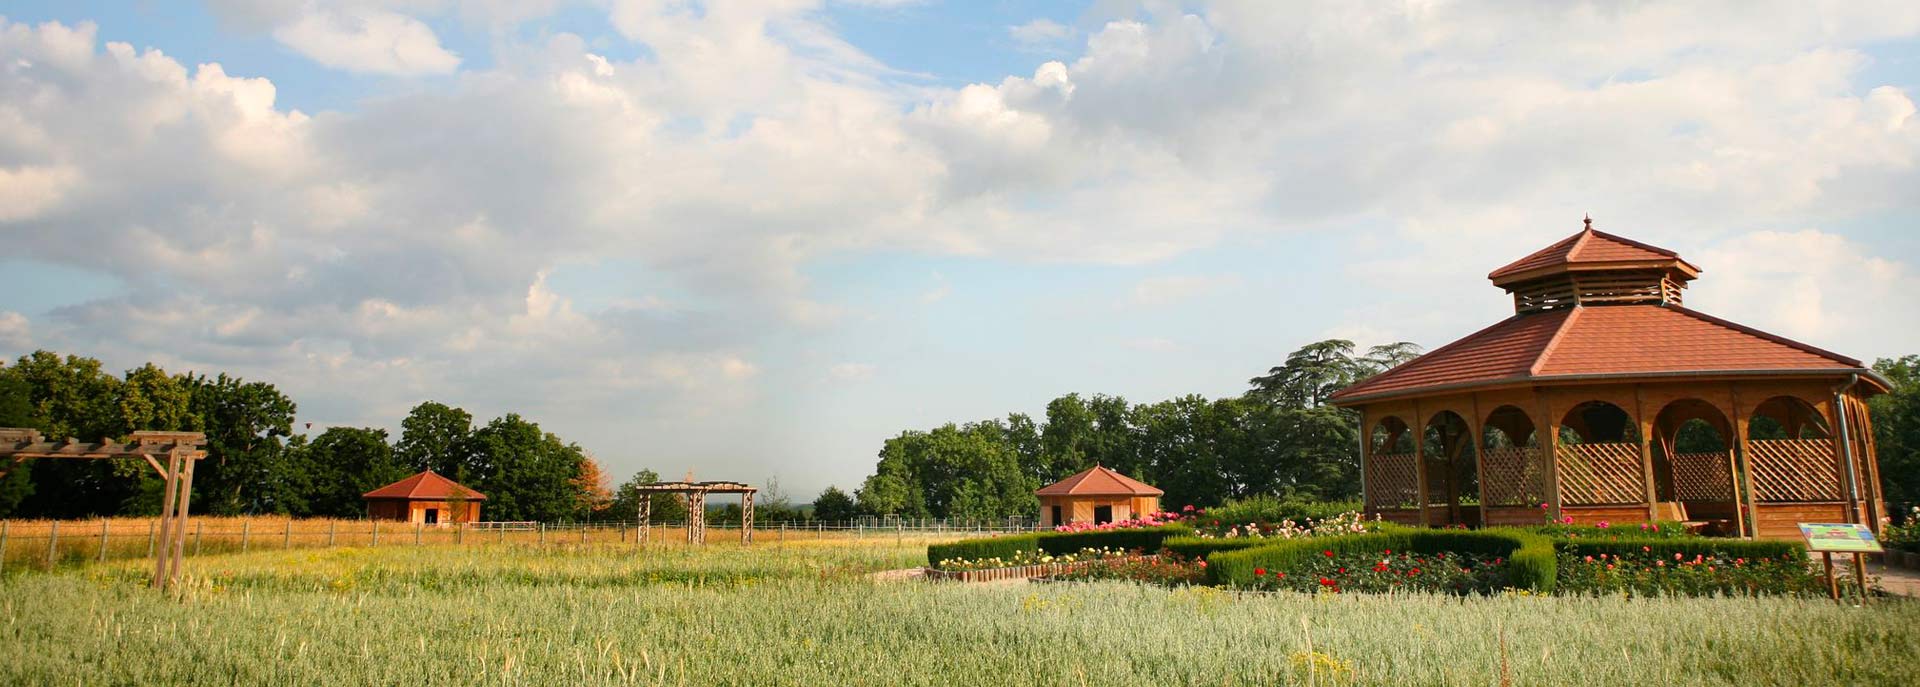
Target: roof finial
point(1587, 219)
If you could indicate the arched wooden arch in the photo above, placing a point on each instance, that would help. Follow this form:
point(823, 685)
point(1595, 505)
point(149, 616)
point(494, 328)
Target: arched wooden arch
point(1447, 447)
point(1513, 466)
point(1695, 473)
point(1799, 472)
point(1391, 474)
point(1597, 457)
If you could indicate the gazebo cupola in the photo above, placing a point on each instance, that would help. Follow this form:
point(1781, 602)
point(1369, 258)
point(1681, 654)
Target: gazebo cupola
point(1595, 268)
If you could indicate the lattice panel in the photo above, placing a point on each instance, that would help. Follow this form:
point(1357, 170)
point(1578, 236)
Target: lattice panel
point(1702, 477)
point(1392, 481)
point(1514, 476)
point(1598, 474)
point(1795, 470)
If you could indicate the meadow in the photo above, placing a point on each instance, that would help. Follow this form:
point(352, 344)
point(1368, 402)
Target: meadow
point(810, 613)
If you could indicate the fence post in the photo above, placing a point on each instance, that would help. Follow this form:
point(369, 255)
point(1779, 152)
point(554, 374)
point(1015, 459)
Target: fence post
point(332, 528)
point(246, 529)
point(543, 534)
point(286, 540)
point(196, 537)
point(103, 540)
point(53, 540)
point(459, 533)
point(376, 533)
point(150, 537)
point(4, 526)
point(418, 529)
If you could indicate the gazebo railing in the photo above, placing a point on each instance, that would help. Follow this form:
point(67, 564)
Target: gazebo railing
point(1392, 481)
point(1702, 477)
point(1601, 474)
point(1515, 476)
point(1795, 470)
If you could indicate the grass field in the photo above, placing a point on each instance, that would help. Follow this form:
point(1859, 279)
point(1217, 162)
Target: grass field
point(808, 613)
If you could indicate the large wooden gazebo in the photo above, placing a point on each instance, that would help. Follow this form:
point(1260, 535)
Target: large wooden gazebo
point(1604, 399)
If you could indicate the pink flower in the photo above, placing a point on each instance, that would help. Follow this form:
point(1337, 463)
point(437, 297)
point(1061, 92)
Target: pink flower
point(1203, 564)
point(1589, 559)
point(1603, 524)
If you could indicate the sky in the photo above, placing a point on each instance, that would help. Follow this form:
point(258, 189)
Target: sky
point(755, 239)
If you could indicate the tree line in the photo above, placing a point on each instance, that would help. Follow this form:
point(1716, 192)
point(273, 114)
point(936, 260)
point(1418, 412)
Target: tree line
point(1280, 437)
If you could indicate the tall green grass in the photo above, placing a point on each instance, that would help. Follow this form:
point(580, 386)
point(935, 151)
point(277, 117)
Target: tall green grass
point(810, 614)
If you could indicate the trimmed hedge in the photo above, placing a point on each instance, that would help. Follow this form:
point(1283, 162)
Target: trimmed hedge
point(1194, 548)
point(1147, 539)
point(984, 547)
point(1664, 548)
point(1529, 557)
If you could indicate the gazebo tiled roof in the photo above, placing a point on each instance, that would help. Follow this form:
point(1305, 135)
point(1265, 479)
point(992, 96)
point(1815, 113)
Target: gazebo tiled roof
point(425, 486)
point(1099, 481)
point(1599, 306)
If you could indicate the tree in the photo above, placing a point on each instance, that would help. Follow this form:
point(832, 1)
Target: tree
point(592, 497)
point(345, 463)
point(834, 505)
point(434, 437)
point(1896, 429)
point(665, 507)
point(527, 474)
point(16, 410)
point(245, 470)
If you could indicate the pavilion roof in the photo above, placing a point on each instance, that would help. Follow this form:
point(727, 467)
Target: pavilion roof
point(1099, 481)
point(1599, 341)
point(1591, 250)
point(426, 485)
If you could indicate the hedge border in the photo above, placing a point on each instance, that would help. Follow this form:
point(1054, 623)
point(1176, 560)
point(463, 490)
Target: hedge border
point(1530, 559)
point(1146, 539)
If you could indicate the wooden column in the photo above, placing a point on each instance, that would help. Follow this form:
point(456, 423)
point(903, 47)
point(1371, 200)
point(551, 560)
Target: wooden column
point(1551, 445)
point(1743, 462)
point(1647, 427)
point(182, 517)
point(1477, 434)
point(1418, 428)
point(1366, 456)
point(172, 477)
point(645, 515)
point(746, 518)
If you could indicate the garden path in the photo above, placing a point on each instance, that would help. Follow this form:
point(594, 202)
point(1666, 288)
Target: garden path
point(1901, 581)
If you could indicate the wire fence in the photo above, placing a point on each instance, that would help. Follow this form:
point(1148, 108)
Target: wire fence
point(45, 544)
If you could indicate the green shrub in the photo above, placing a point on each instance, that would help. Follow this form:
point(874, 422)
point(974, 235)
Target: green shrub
point(1663, 529)
point(1195, 548)
point(1147, 539)
point(1267, 509)
point(1529, 557)
point(1004, 546)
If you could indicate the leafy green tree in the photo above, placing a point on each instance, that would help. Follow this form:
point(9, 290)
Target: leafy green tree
point(246, 469)
point(16, 410)
point(665, 507)
point(434, 436)
point(833, 505)
point(1896, 430)
point(526, 473)
point(347, 462)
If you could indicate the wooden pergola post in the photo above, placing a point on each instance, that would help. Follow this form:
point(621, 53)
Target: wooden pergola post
point(696, 496)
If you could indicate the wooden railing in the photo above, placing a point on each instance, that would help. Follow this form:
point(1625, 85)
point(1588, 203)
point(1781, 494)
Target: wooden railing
point(1601, 474)
point(1515, 476)
point(1392, 481)
point(1794, 470)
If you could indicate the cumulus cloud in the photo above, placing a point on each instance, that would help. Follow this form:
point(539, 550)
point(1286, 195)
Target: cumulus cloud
point(851, 372)
point(363, 39)
point(15, 336)
point(1040, 33)
point(1808, 284)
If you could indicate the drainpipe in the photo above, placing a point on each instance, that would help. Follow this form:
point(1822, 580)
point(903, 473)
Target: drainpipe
point(1846, 447)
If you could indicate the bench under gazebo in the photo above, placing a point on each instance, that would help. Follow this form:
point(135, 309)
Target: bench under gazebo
point(1604, 399)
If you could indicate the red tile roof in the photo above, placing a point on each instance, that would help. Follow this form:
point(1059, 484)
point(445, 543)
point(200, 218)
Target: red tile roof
point(425, 486)
point(1099, 481)
point(1618, 340)
point(1587, 250)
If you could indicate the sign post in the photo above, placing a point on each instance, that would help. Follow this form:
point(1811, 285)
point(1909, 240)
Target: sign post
point(1842, 538)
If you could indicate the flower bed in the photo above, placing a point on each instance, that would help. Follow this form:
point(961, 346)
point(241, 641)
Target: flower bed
point(1650, 572)
point(1026, 558)
point(1387, 570)
point(1030, 571)
point(1170, 571)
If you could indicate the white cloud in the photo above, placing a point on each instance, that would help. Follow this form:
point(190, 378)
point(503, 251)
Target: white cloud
point(1808, 284)
point(1153, 344)
point(1040, 33)
point(1154, 292)
point(16, 337)
point(364, 39)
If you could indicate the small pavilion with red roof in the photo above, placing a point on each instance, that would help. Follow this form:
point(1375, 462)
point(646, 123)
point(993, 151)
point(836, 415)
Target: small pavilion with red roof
point(1603, 398)
point(1098, 495)
point(425, 498)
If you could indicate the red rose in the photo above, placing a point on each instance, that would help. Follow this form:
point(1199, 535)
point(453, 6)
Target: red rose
point(1328, 553)
point(1259, 571)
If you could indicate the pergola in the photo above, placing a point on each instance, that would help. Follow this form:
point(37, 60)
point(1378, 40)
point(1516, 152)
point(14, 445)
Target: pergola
point(1603, 398)
point(696, 493)
point(182, 451)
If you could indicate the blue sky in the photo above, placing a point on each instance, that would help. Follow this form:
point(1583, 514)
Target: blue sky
point(756, 239)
